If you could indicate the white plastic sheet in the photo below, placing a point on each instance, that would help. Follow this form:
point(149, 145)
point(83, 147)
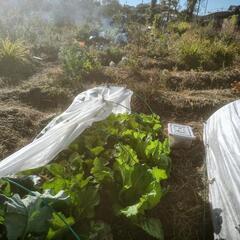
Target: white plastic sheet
point(222, 144)
point(88, 107)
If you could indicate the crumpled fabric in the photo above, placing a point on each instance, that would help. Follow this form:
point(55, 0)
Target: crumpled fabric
point(222, 145)
point(91, 106)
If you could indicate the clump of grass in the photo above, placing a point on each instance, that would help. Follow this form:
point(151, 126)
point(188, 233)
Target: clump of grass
point(194, 52)
point(14, 58)
point(77, 62)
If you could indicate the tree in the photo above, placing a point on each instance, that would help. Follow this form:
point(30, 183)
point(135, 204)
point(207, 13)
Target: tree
point(153, 9)
point(153, 3)
point(191, 7)
point(168, 8)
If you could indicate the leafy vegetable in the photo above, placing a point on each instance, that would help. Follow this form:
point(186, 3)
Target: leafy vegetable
point(112, 171)
point(30, 215)
point(152, 226)
point(58, 227)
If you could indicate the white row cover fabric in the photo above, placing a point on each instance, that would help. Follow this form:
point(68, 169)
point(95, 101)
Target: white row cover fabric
point(88, 107)
point(222, 145)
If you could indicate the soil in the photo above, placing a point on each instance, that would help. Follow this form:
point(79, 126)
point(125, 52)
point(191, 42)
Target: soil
point(180, 97)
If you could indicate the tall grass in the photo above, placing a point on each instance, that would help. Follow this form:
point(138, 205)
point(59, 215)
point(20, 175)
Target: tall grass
point(195, 52)
point(14, 58)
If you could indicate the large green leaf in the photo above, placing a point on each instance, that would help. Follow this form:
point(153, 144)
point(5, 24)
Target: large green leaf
point(125, 155)
point(140, 179)
point(30, 215)
point(159, 174)
point(101, 172)
point(147, 201)
point(152, 226)
point(159, 153)
point(85, 200)
point(56, 170)
point(58, 227)
point(141, 192)
point(57, 184)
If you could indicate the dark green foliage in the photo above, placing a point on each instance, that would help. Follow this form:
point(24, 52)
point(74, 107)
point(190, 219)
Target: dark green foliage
point(29, 216)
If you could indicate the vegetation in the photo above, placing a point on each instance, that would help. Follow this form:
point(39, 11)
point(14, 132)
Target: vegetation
point(14, 58)
point(77, 62)
point(194, 52)
point(180, 27)
point(110, 181)
point(110, 54)
point(112, 175)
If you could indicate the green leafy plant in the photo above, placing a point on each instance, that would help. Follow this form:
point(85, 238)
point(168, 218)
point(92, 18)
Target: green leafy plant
point(114, 169)
point(77, 62)
point(112, 172)
point(30, 215)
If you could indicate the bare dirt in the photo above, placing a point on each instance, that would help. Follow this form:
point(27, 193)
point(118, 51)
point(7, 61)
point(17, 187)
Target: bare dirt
point(26, 107)
point(180, 97)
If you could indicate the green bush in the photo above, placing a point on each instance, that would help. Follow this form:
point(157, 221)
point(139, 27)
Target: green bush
point(84, 33)
point(110, 54)
point(180, 27)
point(209, 31)
point(194, 52)
point(77, 62)
point(158, 47)
point(220, 54)
point(190, 52)
point(14, 58)
point(133, 64)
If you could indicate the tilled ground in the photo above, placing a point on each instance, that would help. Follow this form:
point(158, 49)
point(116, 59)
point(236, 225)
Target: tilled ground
point(180, 97)
point(25, 109)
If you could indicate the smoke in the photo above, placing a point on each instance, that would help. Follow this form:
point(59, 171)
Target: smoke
point(56, 11)
point(29, 18)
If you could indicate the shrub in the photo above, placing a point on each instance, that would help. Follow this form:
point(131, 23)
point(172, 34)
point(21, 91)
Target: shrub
point(209, 31)
point(180, 27)
point(84, 33)
point(134, 65)
point(220, 54)
point(77, 62)
point(228, 33)
point(158, 47)
point(42, 37)
point(49, 39)
point(14, 58)
point(190, 52)
point(110, 54)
